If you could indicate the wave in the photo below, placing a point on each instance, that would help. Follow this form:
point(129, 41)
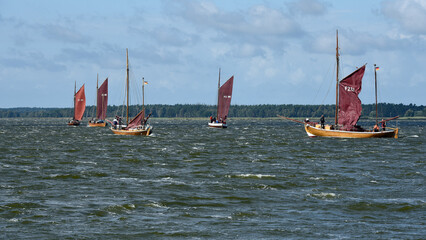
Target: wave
point(323, 195)
point(250, 175)
point(413, 136)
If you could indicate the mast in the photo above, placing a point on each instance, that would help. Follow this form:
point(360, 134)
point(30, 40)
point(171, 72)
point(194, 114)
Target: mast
point(337, 80)
point(75, 86)
point(97, 89)
point(127, 86)
point(375, 82)
point(143, 93)
point(218, 88)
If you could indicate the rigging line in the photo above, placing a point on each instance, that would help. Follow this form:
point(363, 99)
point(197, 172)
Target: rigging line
point(329, 87)
point(379, 95)
point(323, 79)
point(136, 89)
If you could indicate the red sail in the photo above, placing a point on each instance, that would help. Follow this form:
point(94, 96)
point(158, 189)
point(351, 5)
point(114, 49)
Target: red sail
point(136, 121)
point(101, 109)
point(225, 95)
point(349, 103)
point(80, 104)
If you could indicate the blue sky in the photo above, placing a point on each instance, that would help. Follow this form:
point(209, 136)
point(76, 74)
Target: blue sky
point(280, 52)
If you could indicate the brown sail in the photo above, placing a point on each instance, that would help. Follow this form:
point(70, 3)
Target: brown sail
point(79, 104)
point(349, 103)
point(136, 121)
point(102, 102)
point(225, 95)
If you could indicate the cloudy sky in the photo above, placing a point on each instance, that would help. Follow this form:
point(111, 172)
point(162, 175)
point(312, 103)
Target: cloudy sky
point(280, 52)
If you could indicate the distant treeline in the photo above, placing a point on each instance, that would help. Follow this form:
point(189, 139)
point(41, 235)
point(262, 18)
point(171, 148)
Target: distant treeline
point(199, 110)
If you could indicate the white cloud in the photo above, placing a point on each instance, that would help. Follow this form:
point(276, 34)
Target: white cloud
point(257, 25)
point(64, 34)
point(409, 14)
point(354, 42)
point(308, 7)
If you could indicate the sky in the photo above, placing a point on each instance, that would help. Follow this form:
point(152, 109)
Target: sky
point(279, 52)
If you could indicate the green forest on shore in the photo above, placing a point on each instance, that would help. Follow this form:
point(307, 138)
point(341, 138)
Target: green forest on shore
point(245, 111)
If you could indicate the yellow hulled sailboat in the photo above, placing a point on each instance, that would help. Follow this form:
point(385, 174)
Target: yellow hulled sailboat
point(348, 110)
point(138, 125)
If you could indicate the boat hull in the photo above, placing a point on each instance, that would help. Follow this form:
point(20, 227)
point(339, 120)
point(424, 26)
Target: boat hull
point(135, 132)
point(218, 125)
point(319, 132)
point(73, 123)
point(91, 124)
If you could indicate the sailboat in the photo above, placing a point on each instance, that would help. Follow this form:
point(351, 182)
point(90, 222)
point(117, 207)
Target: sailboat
point(224, 95)
point(348, 110)
point(79, 106)
point(138, 125)
point(101, 105)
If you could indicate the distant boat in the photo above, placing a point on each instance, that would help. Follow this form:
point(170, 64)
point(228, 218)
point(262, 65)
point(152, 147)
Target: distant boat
point(348, 110)
point(138, 125)
point(101, 105)
point(224, 95)
point(79, 106)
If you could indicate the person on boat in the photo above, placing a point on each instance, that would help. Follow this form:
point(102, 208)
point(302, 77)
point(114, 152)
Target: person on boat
point(119, 122)
point(322, 121)
point(383, 125)
point(211, 119)
point(224, 120)
point(214, 119)
point(376, 128)
point(115, 122)
point(220, 120)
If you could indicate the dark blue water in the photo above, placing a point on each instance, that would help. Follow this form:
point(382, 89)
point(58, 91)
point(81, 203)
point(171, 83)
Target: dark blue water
point(255, 180)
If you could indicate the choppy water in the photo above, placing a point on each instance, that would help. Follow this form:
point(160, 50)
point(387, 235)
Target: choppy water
point(254, 180)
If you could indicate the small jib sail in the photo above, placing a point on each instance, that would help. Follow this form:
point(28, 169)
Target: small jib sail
point(102, 101)
point(349, 103)
point(79, 104)
point(224, 99)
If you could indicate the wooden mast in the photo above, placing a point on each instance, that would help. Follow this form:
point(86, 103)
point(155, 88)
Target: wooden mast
point(336, 117)
point(97, 89)
point(75, 89)
point(375, 83)
point(143, 95)
point(218, 88)
point(127, 86)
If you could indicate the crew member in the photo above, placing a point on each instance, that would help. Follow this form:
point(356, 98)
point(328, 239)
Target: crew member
point(115, 122)
point(322, 121)
point(376, 128)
